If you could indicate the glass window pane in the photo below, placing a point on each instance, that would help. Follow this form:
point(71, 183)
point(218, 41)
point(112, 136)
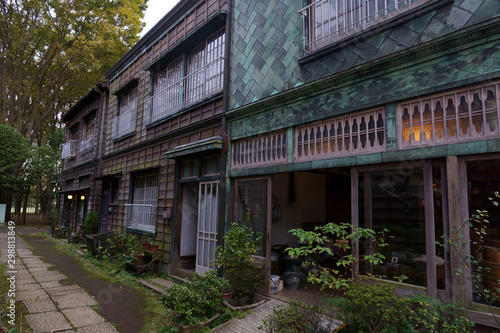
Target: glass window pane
point(252, 208)
point(393, 200)
point(484, 179)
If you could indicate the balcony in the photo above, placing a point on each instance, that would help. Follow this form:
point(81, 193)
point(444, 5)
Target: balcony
point(203, 83)
point(69, 149)
point(140, 217)
point(87, 143)
point(329, 21)
point(125, 123)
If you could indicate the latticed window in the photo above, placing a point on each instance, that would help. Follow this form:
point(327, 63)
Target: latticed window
point(262, 150)
point(461, 115)
point(203, 77)
point(205, 68)
point(141, 213)
point(362, 132)
point(124, 122)
point(167, 91)
point(327, 21)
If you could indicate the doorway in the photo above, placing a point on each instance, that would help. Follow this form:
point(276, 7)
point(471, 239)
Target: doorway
point(198, 227)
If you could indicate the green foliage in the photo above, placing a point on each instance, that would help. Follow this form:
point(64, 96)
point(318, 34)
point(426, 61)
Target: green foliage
point(53, 51)
point(322, 240)
point(194, 302)
point(240, 243)
point(122, 246)
point(372, 308)
point(14, 150)
point(432, 316)
point(91, 222)
point(296, 317)
point(227, 315)
point(245, 281)
point(468, 250)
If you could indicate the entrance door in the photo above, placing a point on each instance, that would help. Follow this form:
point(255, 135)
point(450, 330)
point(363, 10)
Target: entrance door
point(104, 214)
point(207, 225)
point(252, 202)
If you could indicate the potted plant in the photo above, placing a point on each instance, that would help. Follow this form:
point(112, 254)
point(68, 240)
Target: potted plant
point(194, 304)
point(235, 257)
point(153, 246)
point(146, 243)
point(91, 223)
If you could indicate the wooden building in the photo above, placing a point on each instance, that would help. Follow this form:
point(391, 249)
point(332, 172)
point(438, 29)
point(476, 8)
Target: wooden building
point(81, 153)
point(163, 166)
point(383, 114)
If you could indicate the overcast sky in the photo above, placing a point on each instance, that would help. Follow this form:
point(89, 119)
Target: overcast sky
point(156, 10)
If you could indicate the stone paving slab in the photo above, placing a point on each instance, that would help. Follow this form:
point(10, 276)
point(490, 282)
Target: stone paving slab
point(101, 328)
point(47, 322)
point(84, 316)
point(28, 286)
point(52, 277)
point(50, 284)
point(25, 280)
point(41, 304)
point(64, 290)
point(74, 300)
point(30, 294)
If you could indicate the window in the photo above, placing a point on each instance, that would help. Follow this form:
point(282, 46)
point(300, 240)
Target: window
point(483, 180)
point(205, 68)
point(88, 131)
point(328, 21)
point(395, 199)
point(362, 132)
point(461, 115)
point(69, 148)
point(167, 91)
point(203, 77)
point(124, 123)
point(84, 181)
point(141, 213)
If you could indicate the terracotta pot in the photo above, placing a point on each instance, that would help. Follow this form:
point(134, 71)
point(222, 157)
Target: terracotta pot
point(138, 259)
point(153, 248)
point(145, 246)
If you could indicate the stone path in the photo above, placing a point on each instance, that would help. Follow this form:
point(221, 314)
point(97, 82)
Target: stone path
point(52, 305)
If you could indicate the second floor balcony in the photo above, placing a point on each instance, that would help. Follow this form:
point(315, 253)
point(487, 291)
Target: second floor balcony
point(69, 149)
point(124, 123)
point(329, 21)
point(87, 143)
point(195, 87)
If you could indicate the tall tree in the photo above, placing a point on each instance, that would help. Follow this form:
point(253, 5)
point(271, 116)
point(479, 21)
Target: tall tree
point(52, 51)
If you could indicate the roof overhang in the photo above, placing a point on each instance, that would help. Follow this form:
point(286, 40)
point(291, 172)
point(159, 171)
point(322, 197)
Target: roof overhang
point(201, 146)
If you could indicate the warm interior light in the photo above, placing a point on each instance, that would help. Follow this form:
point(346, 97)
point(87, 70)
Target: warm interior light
point(70, 197)
point(82, 197)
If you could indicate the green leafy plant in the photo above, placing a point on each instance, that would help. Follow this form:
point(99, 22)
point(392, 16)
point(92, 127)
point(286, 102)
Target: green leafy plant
point(240, 243)
point(372, 308)
point(122, 246)
point(296, 317)
point(91, 222)
point(470, 268)
point(337, 240)
point(432, 316)
point(235, 257)
point(245, 281)
point(194, 302)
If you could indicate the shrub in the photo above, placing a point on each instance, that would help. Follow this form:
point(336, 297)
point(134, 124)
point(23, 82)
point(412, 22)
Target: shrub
point(245, 281)
point(196, 301)
point(432, 316)
point(296, 317)
point(372, 308)
point(91, 222)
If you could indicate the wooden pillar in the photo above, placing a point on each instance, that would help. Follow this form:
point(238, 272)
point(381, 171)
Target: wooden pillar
point(430, 230)
point(454, 203)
